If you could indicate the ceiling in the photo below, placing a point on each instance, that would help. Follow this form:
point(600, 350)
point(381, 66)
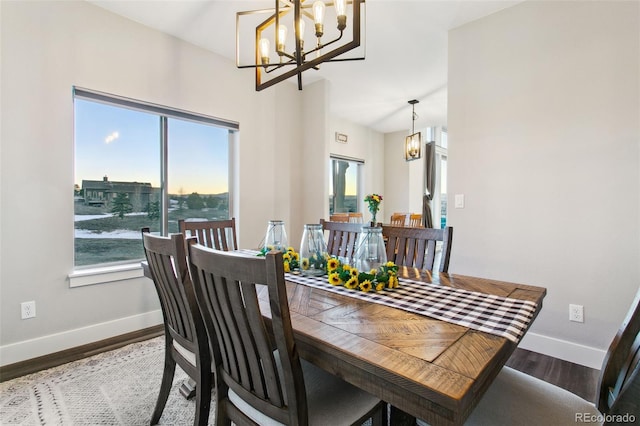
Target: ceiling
point(406, 52)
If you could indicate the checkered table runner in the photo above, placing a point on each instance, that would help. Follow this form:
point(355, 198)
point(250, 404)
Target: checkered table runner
point(498, 315)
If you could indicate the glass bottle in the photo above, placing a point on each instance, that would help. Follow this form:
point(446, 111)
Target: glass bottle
point(313, 251)
point(276, 237)
point(370, 252)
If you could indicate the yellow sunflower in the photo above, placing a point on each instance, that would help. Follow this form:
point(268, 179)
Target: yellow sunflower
point(334, 279)
point(354, 272)
point(286, 257)
point(295, 256)
point(286, 266)
point(332, 264)
point(305, 263)
point(351, 283)
point(379, 286)
point(365, 285)
point(390, 264)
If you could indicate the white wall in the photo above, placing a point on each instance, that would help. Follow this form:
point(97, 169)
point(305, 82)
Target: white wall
point(404, 183)
point(47, 47)
point(362, 144)
point(544, 142)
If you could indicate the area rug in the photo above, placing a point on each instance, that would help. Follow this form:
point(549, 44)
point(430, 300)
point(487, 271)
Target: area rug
point(118, 387)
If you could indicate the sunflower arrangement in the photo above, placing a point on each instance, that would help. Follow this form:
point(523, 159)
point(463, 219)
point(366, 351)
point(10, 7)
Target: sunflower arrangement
point(386, 276)
point(290, 258)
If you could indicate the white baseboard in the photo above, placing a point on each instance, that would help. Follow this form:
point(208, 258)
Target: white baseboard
point(562, 349)
point(27, 349)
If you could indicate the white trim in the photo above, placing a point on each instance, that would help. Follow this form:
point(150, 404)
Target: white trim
point(562, 349)
point(105, 274)
point(27, 349)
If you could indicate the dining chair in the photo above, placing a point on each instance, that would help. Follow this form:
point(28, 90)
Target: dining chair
point(186, 342)
point(217, 234)
point(415, 220)
point(517, 398)
point(398, 219)
point(343, 237)
point(356, 217)
point(416, 247)
point(339, 217)
point(261, 378)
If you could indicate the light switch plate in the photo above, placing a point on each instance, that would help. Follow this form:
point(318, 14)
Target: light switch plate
point(459, 201)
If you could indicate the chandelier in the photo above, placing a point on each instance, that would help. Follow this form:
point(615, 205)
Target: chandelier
point(280, 46)
point(413, 142)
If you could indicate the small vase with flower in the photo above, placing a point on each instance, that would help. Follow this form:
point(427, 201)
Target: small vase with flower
point(373, 201)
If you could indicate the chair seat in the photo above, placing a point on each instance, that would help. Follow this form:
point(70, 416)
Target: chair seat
point(515, 398)
point(331, 401)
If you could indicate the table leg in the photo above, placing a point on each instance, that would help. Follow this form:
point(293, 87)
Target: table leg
point(188, 388)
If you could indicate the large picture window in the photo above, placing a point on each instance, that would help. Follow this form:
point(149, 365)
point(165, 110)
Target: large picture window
point(140, 164)
point(344, 195)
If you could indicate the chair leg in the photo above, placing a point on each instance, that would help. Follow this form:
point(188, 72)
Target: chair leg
point(165, 387)
point(203, 398)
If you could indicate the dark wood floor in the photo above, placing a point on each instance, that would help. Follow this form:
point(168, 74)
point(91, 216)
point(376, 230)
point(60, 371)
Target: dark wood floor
point(575, 378)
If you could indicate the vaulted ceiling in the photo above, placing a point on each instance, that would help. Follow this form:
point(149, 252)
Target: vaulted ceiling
point(406, 51)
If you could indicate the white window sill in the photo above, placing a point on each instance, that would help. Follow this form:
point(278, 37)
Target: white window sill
point(105, 274)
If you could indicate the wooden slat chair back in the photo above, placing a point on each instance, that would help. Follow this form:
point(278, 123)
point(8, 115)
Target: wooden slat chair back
point(398, 219)
point(186, 341)
point(343, 237)
point(416, 247)
point(415, 220)
point(356, 217)
point(217, 234)
point(619, 385)
point(514, 396)
point(255, 384)
point(339, 217)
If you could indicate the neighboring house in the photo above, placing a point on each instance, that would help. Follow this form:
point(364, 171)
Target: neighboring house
point(102, 192)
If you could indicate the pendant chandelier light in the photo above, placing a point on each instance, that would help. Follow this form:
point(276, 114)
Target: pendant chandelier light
point(281, 48)
point(413, 142)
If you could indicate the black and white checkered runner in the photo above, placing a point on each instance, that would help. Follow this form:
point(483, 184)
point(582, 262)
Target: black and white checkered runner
point(498, 315)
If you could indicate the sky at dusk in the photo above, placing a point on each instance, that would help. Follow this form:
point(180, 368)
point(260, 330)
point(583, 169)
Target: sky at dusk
point(124, 145)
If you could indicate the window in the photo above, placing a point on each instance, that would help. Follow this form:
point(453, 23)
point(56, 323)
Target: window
point(344, 187)
point(139, 165)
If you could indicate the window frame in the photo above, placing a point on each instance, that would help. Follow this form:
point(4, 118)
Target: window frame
point(103, 273)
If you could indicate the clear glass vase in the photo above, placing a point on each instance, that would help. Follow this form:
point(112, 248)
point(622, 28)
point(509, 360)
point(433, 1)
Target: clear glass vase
point(276, 237)
point(370, 252)
point(313, 251)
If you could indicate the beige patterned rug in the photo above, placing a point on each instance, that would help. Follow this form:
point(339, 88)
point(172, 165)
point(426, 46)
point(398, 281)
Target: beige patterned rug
point(118, 387)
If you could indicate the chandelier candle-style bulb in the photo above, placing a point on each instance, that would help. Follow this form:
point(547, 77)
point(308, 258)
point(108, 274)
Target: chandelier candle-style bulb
point(341, 11)
point(301, 26)
point(265, 47)
point(318, 17)
point(281, 39)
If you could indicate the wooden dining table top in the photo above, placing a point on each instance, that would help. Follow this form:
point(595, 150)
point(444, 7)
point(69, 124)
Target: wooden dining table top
point(431, 369)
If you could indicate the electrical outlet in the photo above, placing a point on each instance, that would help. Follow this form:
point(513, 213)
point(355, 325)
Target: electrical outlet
point(28, 309)
point(576, 313)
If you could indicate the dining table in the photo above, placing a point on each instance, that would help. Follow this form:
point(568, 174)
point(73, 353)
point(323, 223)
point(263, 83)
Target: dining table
point(428, 360)
point(430, 347)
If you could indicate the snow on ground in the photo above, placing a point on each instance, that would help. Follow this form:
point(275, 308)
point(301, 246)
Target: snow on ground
point(119, 233)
